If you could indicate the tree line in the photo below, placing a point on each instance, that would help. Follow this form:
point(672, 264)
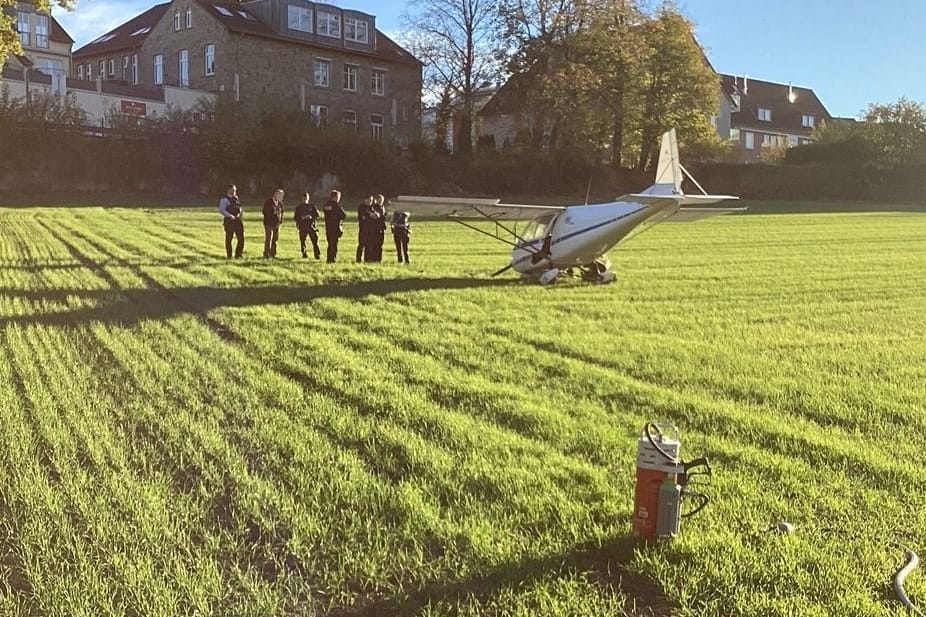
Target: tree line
point(602, 76)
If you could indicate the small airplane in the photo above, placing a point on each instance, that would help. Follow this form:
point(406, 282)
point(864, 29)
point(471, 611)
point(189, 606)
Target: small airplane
point(558, 239)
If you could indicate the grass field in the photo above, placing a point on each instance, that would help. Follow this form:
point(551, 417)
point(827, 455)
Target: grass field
point(184, 435)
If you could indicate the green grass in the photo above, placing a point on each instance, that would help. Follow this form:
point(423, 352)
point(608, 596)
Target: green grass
point(184, 435)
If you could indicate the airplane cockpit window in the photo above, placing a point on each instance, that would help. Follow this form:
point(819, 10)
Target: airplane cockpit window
point(538, 227)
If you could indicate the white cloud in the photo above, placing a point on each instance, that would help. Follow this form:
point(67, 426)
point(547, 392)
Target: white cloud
point(92, 18)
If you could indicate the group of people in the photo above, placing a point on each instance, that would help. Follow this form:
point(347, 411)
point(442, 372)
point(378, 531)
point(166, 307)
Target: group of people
point(371, 216)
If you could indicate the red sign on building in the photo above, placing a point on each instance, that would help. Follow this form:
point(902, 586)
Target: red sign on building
point(134, 108)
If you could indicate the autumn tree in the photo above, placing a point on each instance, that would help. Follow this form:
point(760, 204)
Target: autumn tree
point(9, 38)
point(456, 41)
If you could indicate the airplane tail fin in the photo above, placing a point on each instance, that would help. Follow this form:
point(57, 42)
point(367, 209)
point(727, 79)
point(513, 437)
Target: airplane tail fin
point(668, 169)
point(670, 174)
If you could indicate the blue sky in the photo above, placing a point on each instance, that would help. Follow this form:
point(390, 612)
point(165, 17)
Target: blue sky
point(851, 52)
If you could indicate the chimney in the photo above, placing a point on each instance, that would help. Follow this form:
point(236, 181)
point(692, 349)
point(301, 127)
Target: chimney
point(791, 96)
point(745, 84)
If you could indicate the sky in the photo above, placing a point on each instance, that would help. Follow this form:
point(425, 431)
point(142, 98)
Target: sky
point(850, 52)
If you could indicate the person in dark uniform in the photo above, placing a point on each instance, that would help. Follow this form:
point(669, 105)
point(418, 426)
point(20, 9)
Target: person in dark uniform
point(377, 232)
point(364, 210)
point(401, 230)
point(334, 217)
point(231, 211)
point(273, 217)
point(306, 215)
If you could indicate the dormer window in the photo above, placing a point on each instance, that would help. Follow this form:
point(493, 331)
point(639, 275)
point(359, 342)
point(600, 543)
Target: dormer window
point(356, 30)
point(765, 114)
point(807, 121)
point(329, 24)
point(299, 18)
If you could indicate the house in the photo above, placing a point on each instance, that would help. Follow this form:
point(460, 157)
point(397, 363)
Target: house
point(765, 115)
point(326, 61)
point(46, 45)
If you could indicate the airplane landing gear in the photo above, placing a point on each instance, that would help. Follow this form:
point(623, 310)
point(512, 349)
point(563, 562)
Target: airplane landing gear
point(598, 272)
point(548, 277)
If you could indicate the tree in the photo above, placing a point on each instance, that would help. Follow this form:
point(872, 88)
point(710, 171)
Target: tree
point(455, 39)
point(9, 39)
point(897, 130)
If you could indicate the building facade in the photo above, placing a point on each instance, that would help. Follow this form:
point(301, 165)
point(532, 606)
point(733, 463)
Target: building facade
point(766, 115)
point(289, 55)
point(46, 45)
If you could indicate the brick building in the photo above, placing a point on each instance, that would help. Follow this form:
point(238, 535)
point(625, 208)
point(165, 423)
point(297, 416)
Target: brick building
point(328, 62)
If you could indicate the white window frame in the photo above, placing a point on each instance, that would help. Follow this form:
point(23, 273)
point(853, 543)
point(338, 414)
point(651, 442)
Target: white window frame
point(209, 54)
point(765, 114)
point(303, 18)
point(22, 26)
point(768, 140)
point(41, 31)
point(158, 69)
point(750, 140)
point(135, 75)
point(189, 17)
point(327, 19)
point(112, 67)
point(80, 71)
point(316, 74)
point(376, 128)
point(176, 20)
point(378, 82)
point(183, 68)
point(349, 123)
point(90, 70)
point(808, 121)
point(102, 67)
point(350, 71)
point(319, 115)
point(352, 28)
point(125, 68)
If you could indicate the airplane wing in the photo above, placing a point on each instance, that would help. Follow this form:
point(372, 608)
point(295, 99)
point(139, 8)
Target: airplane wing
point(464, 207)
point(687, 215)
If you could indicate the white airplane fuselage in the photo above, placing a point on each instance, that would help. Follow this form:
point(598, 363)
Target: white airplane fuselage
point(579, 235)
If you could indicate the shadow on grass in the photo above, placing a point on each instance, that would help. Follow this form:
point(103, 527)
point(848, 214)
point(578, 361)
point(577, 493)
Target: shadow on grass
point(129, 306)
point(600, 564)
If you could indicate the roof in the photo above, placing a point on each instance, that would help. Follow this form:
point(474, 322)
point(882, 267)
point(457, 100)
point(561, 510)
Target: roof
point(786, 115)
point(510, 97)
point(58, 34)
point(129, 35)
point(237, 18)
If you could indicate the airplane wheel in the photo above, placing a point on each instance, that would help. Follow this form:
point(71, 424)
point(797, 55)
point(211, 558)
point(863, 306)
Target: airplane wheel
point(607, 277)
point(548, 277)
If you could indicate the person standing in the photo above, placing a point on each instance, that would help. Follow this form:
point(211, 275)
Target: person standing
point(401, 230)
point(231, 211)
point(273, 217)
point(377, 231)
point(306, 215)
point(364, 211)
point(334, 217)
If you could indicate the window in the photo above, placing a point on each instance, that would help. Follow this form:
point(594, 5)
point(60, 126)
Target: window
point(112, 67)
point(322, 69)
point(329, 24)
point(144, 30)
point(765, 114)
point(246, 16)
point(350, 77)
point(792, 141)
point(177, 20)
point(89, 71)
point(378, 82)
point(376, 124)
point(299, 18)
point(135, 69)
point(768, 140)
point(349, 119)
point(22, 24)
point(735, 135)
point(183, 66)
point(41, 31)
point(80, 71)
point(319, 115)
point(210, 59)
point(750, 141)
point(189, 17)
point(404, 113)
point(807, 121)
point(356, 30)
point(125, 68)
point(223, 11)
point(158, 70)
point(102, 68)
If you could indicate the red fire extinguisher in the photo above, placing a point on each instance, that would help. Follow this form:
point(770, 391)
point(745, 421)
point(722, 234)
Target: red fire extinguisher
point(662, 483)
